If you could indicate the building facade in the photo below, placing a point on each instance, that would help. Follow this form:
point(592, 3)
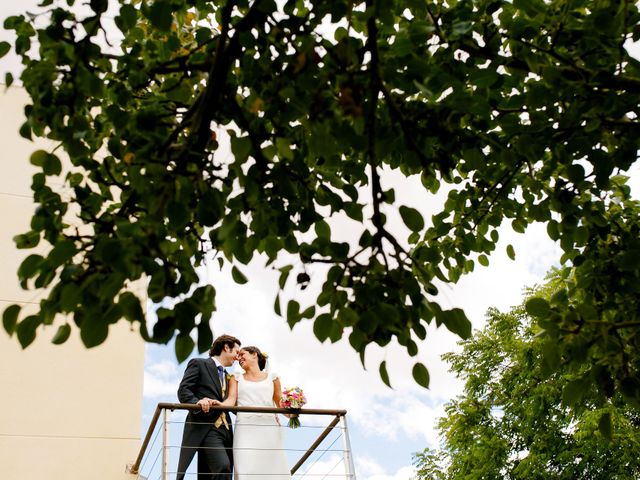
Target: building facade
point(66, 412)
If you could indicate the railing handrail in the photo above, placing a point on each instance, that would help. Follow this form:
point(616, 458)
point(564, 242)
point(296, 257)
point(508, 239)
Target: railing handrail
point(306, 411)
point(236, 409)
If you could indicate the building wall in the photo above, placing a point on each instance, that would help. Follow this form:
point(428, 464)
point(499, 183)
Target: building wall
point(65, 412)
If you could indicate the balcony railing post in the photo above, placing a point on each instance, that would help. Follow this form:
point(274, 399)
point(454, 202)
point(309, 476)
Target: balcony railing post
point(349, 470)
point(165, 444)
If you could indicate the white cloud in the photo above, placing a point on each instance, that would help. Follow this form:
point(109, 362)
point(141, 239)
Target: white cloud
point(161, 379)
point(366, 468)
point(331, 466)
point(369, 469)
point(165, 369)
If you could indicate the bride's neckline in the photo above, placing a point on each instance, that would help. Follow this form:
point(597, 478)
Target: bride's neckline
point(255, 381)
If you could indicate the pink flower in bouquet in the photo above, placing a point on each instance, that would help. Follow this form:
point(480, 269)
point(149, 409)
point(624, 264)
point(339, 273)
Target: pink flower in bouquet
point(293, 398)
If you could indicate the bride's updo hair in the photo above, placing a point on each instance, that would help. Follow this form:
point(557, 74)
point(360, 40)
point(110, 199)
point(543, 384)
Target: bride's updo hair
point(262, 357)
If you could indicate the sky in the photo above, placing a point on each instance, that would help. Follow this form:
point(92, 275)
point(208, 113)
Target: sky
point(386, 426)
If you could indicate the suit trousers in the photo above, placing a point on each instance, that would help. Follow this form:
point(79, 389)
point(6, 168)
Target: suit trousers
point(215, 455)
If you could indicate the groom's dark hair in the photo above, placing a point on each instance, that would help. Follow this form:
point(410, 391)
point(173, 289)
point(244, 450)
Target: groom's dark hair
point(220, 342)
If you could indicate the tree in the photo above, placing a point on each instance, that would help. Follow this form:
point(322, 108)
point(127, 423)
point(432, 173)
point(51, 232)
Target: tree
point(525, 111)
point(514, 421)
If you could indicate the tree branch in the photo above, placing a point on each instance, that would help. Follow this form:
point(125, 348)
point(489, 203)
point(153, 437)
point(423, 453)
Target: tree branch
point(374, 78)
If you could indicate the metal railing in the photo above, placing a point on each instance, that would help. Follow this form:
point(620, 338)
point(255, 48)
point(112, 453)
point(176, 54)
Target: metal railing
point(339, 421)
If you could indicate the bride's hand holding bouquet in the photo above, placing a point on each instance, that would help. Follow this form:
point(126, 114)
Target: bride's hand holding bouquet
point(294, 399)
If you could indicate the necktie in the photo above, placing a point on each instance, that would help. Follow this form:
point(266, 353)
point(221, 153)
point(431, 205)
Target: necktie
point(221, 375)
point(222, 419)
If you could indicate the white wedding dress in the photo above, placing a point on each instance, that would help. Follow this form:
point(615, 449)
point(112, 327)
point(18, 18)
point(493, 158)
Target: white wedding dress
point(258, 438)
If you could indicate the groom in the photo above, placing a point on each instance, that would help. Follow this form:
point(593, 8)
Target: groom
point(208, 432)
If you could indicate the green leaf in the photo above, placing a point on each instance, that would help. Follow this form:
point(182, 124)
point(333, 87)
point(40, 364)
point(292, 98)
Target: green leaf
point(552, 230)
point(131, 308)
point(385, 376)
point(461, 28)
point(628, 261)
point(276, 306)
point(551, 356)
point(575, 173)
point(456, 322)
point(349, 316)
point(511, 253)
point(537, 307)
point(205, 336)
point(184, 346)
point(358, 340)
point(293, 313)
point(421, 375)
point(605, 426)
point(412, 218)
point(93, 332)
point(238, 276)
point(353, 211)
point(127, 18)
point(322, 326)
point(62, 335)
point(241, 147)
point(38, 158)
point(70, 296)
point(161, 15)
point(52, 165)
point(519, 225)
point(338, 251)
point(284, 274)
point(211, 208)
point(27, 240)
point(178, 214)
point(10, 318)
point(362, 357)
point(531, 7)
point(337, 331)
point(8, 79)
point(49, 162)
point(99, 6)
point(4, 48)
point(574, 391)
point(25, 131)
point(308, 312)
point(61, 253)
point(322, 230)
point(26, 330)
point(29, 266)
point(484, 77)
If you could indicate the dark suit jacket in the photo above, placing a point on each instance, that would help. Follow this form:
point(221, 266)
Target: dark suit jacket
point(200, 380)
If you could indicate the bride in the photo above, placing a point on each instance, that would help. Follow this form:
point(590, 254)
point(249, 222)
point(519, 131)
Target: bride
point(258, 437)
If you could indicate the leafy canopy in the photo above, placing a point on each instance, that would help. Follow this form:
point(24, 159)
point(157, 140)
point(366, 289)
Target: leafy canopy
point(517, 419)
point(526, 111)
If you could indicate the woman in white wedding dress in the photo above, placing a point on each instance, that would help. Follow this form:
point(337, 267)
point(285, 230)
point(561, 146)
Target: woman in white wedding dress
point(258, 452)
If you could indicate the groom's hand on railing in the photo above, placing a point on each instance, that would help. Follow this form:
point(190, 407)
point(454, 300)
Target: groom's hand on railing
point(205, 403)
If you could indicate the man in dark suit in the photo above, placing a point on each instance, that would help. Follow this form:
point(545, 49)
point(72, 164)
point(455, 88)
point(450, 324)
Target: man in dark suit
point(208, 432)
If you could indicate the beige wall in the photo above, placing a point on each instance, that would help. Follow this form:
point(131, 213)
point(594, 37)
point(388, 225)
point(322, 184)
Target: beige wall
point(65, 412)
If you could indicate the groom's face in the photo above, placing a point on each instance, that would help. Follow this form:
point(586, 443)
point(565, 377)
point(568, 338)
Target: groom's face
point(229, 355)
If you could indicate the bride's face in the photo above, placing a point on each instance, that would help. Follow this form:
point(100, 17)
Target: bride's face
point(246, 359)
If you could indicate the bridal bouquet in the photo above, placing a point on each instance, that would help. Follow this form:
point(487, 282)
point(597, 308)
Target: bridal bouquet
point(293, 398)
